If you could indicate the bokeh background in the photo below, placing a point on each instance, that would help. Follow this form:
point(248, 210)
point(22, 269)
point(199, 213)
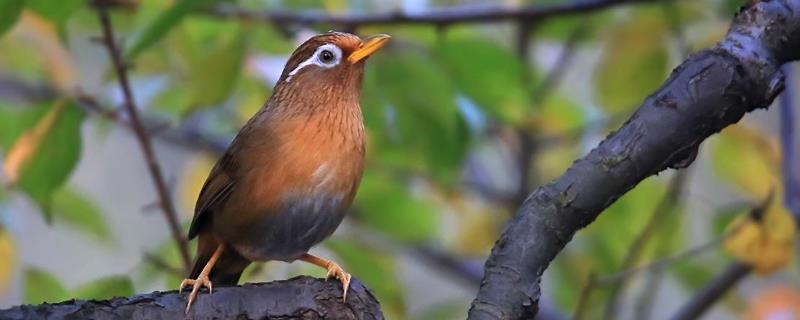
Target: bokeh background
point(463, 121)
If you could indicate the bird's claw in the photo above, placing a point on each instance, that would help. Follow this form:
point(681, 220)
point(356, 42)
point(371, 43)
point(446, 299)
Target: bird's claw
point(335, 271)
point(201, 281)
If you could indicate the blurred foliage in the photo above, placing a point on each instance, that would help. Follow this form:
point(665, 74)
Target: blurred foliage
point(8, 259)
point(766, 243)
point(444, 107)
point(41, 286)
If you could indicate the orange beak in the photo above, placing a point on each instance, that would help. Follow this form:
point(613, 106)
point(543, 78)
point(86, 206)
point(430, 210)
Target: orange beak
point(368, 47)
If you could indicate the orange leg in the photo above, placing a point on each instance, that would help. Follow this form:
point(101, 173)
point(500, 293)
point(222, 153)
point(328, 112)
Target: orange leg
point(202, 279)
point(334, 270)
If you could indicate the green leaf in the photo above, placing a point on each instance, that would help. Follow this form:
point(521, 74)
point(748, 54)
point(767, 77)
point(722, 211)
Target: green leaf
point(611, 235)
point(693, 274)
point(386, 204)
point(105, 288)
point(72, 208)
point(488, 74)
point(9, 13)
point(57, 11)
point(39, 286)
point(214, 76)
point(43, 175)
point(162, 24)
point(376, 268)
point(634, 62)
point(411, 102)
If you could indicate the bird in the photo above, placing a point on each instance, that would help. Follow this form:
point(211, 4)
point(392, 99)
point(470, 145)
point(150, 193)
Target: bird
point(292, 171)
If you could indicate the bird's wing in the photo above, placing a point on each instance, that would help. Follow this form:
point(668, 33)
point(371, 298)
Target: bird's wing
point(215, 191)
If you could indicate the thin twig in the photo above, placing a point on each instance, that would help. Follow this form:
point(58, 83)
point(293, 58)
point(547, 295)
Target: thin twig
point(583, 299)
point(141, 135)
point(555, 74)
point(662, 210)
point(449, 16)
point(161, 264)
point(645, 303)
point(791, 175)
point(717, 287)
point(706, 297)
point(662, 263)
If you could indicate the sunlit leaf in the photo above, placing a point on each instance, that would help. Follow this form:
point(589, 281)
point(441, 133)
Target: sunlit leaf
point(558, 116)
point(9, 13)
point(612, 234)
point(217, 72)
point(51, 51)
point(40, 286)
point(377, 269)
point(412, 104)
point(72, 208)
point(56, 11)
point(162, 24)
point(634, 62)
point(192, 181)
point(489, 74)
point(387, 205)
point(766, 244)
point(747, 158)
point(105, 288)
point(30, 161)
point(8, 258)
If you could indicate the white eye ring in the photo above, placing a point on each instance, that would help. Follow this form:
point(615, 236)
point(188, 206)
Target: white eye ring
point(326, 56)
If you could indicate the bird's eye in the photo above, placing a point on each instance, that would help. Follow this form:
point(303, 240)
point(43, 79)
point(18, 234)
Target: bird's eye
point(326, 56)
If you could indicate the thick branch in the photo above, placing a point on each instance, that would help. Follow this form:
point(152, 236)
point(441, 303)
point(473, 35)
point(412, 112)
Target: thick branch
point(709, 91)
point(466, 14)
point(298, 298)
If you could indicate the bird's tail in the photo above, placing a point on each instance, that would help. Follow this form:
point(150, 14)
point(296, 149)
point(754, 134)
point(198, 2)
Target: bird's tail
point(229, 266)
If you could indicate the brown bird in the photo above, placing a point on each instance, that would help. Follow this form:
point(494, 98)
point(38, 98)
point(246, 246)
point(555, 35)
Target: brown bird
point(292, 171)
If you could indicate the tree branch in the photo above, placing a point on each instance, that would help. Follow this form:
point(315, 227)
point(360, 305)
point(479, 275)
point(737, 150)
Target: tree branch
point(710, 293)
point(466, 14)
point(709, 91)
point(298, 298)
point(165, 200)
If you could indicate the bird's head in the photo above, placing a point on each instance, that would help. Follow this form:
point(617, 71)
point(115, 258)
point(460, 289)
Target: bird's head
point(329, 63)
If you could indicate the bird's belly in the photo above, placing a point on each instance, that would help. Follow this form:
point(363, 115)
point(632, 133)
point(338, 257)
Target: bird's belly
point(292, 230)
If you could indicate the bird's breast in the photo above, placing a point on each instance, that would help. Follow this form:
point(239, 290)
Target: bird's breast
point(295, 191)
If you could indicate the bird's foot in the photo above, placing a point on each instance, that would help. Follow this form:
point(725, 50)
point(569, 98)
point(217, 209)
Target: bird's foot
point(201, 281)
point(335, 271)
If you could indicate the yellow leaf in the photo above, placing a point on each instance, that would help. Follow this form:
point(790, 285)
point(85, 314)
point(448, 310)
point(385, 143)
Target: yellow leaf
point(26, 146)
point(748, 158)
point(193, 179)
point(7, 259)
point(57, 59)
point(768, 244)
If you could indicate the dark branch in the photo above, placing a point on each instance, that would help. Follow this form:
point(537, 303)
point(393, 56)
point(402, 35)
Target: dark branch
point(298, 298)
point(713, 291)
point(467, 14)
point(664, 209)
point(708, 92)
point(164, 198)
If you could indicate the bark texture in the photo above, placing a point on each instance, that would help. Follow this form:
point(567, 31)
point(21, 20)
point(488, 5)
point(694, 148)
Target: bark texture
point(298, 298)
point(709, 91)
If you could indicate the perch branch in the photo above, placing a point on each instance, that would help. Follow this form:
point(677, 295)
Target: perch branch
point(706, 93)
point(297, 298)
point(165, 200)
